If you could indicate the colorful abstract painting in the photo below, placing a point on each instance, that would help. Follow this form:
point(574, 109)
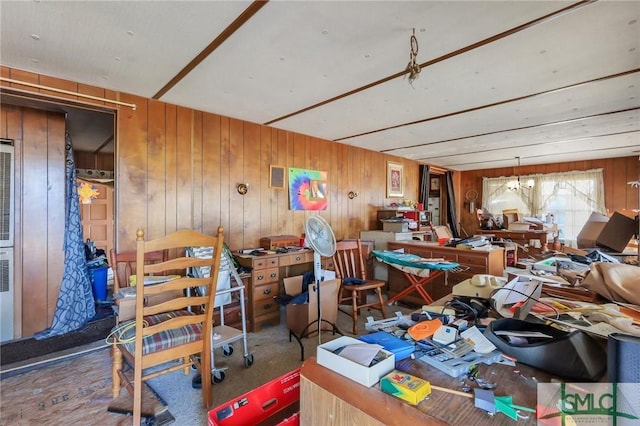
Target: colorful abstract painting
point(308, 189)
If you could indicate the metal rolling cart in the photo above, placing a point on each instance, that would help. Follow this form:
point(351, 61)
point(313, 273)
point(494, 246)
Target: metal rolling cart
point(223, 335)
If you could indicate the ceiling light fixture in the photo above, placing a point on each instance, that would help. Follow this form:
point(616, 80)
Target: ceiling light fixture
point(516, 185)
point(413, 67)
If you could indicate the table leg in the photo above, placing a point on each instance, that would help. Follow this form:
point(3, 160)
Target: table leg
point(417, 285)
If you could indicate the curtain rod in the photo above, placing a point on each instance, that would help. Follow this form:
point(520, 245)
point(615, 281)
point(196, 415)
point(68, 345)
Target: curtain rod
point(67, 92)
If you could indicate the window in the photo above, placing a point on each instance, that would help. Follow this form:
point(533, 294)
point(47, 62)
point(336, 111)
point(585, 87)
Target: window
point(568, 198)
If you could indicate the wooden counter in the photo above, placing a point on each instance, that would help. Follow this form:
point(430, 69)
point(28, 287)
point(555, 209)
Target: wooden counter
point(478, 262)
point(328, 398)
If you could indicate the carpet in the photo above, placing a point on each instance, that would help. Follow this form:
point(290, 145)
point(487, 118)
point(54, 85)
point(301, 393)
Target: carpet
point(71, 391)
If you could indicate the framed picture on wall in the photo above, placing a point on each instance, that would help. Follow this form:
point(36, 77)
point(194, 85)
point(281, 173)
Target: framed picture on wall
point(276, 177)
point(434, 186)
point(395, 180)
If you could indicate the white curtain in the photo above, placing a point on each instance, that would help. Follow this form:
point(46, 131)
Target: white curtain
point(568, 197)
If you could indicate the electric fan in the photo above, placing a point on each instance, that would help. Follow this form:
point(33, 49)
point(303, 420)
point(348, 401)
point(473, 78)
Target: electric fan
point(323, 242)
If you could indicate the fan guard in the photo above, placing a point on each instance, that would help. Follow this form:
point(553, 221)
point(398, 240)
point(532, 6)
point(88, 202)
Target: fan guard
point(320, 236)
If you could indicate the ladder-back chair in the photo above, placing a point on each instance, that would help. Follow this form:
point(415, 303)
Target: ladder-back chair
point(349, 266)
point(168, 331)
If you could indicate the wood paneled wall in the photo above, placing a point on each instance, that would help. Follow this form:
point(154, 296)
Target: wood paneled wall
point(39, 139)
point(617, 172)
point(178, 168)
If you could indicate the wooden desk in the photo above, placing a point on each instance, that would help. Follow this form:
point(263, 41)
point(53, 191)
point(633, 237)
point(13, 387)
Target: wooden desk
point(266, 282)
point(328, 398)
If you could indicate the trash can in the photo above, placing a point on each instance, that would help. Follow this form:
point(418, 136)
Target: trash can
point(99, 283)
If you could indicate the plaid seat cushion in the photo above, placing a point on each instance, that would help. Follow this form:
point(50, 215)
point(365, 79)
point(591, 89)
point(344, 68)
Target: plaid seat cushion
point(126, 331)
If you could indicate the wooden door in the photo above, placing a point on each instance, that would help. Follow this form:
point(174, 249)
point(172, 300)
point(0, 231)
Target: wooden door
point(97, 218)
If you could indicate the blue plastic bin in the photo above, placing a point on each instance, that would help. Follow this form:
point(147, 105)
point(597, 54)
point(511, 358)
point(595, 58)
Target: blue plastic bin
point(99, 283)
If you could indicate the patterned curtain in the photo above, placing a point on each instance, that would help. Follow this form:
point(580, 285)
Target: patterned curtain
point(75, 304)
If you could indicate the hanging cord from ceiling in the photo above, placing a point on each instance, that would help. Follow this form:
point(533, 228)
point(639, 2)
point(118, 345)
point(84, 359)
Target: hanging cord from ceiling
point(413, 67)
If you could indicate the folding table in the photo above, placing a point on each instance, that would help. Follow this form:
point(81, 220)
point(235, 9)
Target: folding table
point(419, 271)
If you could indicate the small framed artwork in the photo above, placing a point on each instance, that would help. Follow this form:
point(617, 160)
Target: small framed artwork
point(276, 177)
point(435, 184)
point(395, 180)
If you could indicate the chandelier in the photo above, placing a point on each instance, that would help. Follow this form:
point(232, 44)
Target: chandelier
point(516, 184)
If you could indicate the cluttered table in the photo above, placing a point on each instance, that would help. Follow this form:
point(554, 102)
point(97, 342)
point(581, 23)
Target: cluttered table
point(457, 397)
point(325, 394)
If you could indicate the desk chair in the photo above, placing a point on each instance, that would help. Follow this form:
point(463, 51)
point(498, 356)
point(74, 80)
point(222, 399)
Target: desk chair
point(168, 331)
point(349, 263)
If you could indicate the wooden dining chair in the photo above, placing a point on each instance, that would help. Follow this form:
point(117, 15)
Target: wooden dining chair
point(349, 266)
point(123, 264)
point(168, 331)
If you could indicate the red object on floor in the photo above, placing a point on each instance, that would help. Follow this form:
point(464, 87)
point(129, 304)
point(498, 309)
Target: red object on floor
point(261, 403)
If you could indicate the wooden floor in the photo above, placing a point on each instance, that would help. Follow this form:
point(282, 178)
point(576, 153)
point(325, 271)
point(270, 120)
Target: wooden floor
point(68, 389)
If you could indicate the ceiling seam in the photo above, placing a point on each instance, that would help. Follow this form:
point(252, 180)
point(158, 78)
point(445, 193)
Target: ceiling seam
point(496, 37)
point(217, 42)
point(491, 105)
point(536, 145)
point(514, 129)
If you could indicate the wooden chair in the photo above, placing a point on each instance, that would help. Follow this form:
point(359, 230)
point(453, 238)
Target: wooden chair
point(123, 265)
point(168, 331)
point(349, 263)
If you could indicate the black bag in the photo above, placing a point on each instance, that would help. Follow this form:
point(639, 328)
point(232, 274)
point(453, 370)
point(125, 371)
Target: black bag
point(571, 355)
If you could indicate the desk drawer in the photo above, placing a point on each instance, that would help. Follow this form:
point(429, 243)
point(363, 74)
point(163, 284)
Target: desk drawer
point(427, 254)
point(296, 259)
point(265, 306)
point(452, 257)
point(469, 260)
point(476, 269)
point(259, 263)
point(267, 291)
point(265, 276)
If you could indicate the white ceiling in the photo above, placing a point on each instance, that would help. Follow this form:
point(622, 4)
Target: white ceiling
point(547, 81)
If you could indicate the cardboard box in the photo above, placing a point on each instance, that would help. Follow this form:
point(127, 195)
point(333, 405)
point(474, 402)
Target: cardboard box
point(509, 216)
point(589, 233)
point(617, 232)
point(299, 316)
point(442, 231)
point(519, 226)
point(405, 386)
point(366, 376)
point(126, 306)
point(613, 233)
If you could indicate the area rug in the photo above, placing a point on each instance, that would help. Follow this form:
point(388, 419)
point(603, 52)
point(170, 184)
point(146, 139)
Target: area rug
point(72, 391)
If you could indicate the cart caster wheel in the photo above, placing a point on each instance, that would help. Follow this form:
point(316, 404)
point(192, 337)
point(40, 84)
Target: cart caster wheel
point(218, 376)
point(227, 350)
point(248, 360)
point(193, 364)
